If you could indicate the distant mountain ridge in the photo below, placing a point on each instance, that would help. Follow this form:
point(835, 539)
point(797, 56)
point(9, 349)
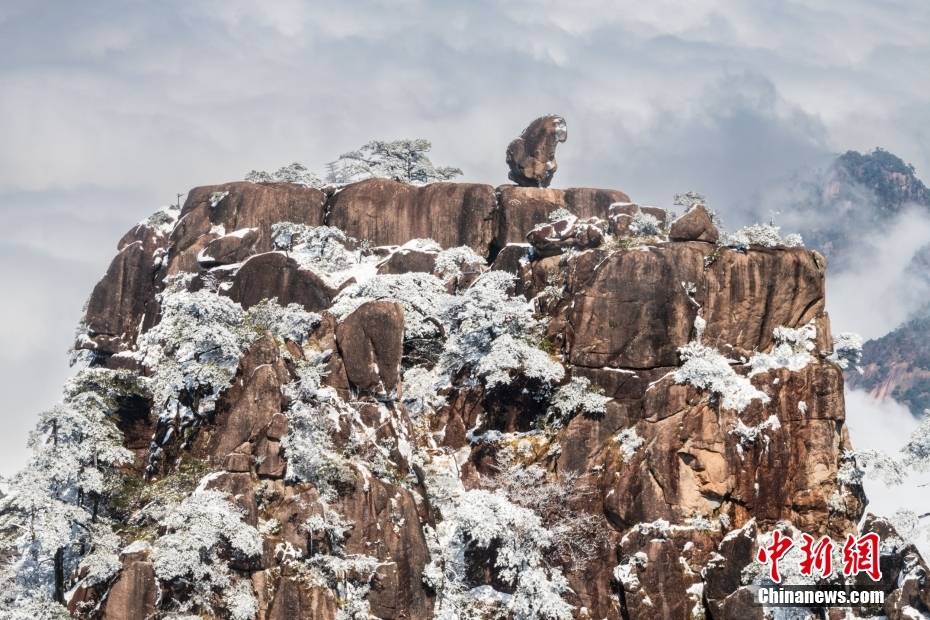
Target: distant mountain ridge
point(863, 192)
point(832, 206)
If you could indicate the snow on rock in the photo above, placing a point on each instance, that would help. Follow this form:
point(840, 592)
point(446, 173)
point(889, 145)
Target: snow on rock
point(705, 368)
point(629, 442)
point(793, 350)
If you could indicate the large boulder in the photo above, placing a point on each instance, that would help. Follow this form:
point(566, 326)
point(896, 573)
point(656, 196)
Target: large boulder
point(695, 225)
point(275, 275)
point(135, 592)
point(119, 301)
point(371, 342)
point(385, 212)
point(531, 157)
point(407, 260)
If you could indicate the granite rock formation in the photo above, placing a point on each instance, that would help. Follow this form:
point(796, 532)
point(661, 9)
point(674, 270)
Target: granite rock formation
point(531, 157)
point(408, 413)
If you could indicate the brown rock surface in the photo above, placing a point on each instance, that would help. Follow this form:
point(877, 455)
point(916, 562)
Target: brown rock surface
point(251, 404)
point(135, 591)
point(531, 157)
point(408, 261)
point(275, 275)
point(695, 225)
point(633, 312)
point(523, 208)
point(124, 296)
point(371, 341)
point(246, 205)
point(385, 212)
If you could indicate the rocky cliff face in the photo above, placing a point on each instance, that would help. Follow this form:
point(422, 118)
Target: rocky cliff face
point(604, 423)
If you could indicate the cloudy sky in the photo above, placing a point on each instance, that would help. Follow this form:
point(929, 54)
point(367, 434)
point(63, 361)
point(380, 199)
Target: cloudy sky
point(109, 109)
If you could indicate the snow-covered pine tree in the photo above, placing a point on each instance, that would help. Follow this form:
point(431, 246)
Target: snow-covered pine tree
point(54, 519)
point(402, 160)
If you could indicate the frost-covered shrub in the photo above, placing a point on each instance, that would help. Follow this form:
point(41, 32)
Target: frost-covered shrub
point(509, 357)
point(706, 369)
point(327, 565)
point(163, 220)
point(290, 322)
point(872, 464)
point(645, 225)
point(310, 374)
point(420, 391)
point(916, 451)
point(102, 562)
point(491, 333)
point(291, 173)
point(578, 397)
point(240, 601)
point(688, 199)
point(320, 248)
point(847, 350)
point(792, 350)
point(404, 160)
point(451, 263)
point(560, 214)
point(193, 352)
point(765, 235)
point(421, 295)
point(578, 537)
point(191, 554)
point(311, 454)
point(629, 442)
point(747, 435)
point(480, 519)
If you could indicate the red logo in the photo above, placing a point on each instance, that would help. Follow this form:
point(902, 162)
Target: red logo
point(774, 552)
point(817, 557)
point(860, 555)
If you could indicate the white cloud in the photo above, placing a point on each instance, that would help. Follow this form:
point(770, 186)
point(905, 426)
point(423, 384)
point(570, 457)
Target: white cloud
point(886, 425)
point(875, 293)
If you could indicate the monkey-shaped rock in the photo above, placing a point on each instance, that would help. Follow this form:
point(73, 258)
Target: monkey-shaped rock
point(531, 157)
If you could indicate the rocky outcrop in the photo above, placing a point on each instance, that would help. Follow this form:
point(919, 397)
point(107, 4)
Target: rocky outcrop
point(275, 275)
point(655, 497)
point(522, 208)
point(695, 225)
point(633, 311)
point(531, 157)
point(241, 214)
point(385, 212)
point(125, 296)
point(135, 591)
point(251, 405)
point(371, 341)
point(553, 239)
